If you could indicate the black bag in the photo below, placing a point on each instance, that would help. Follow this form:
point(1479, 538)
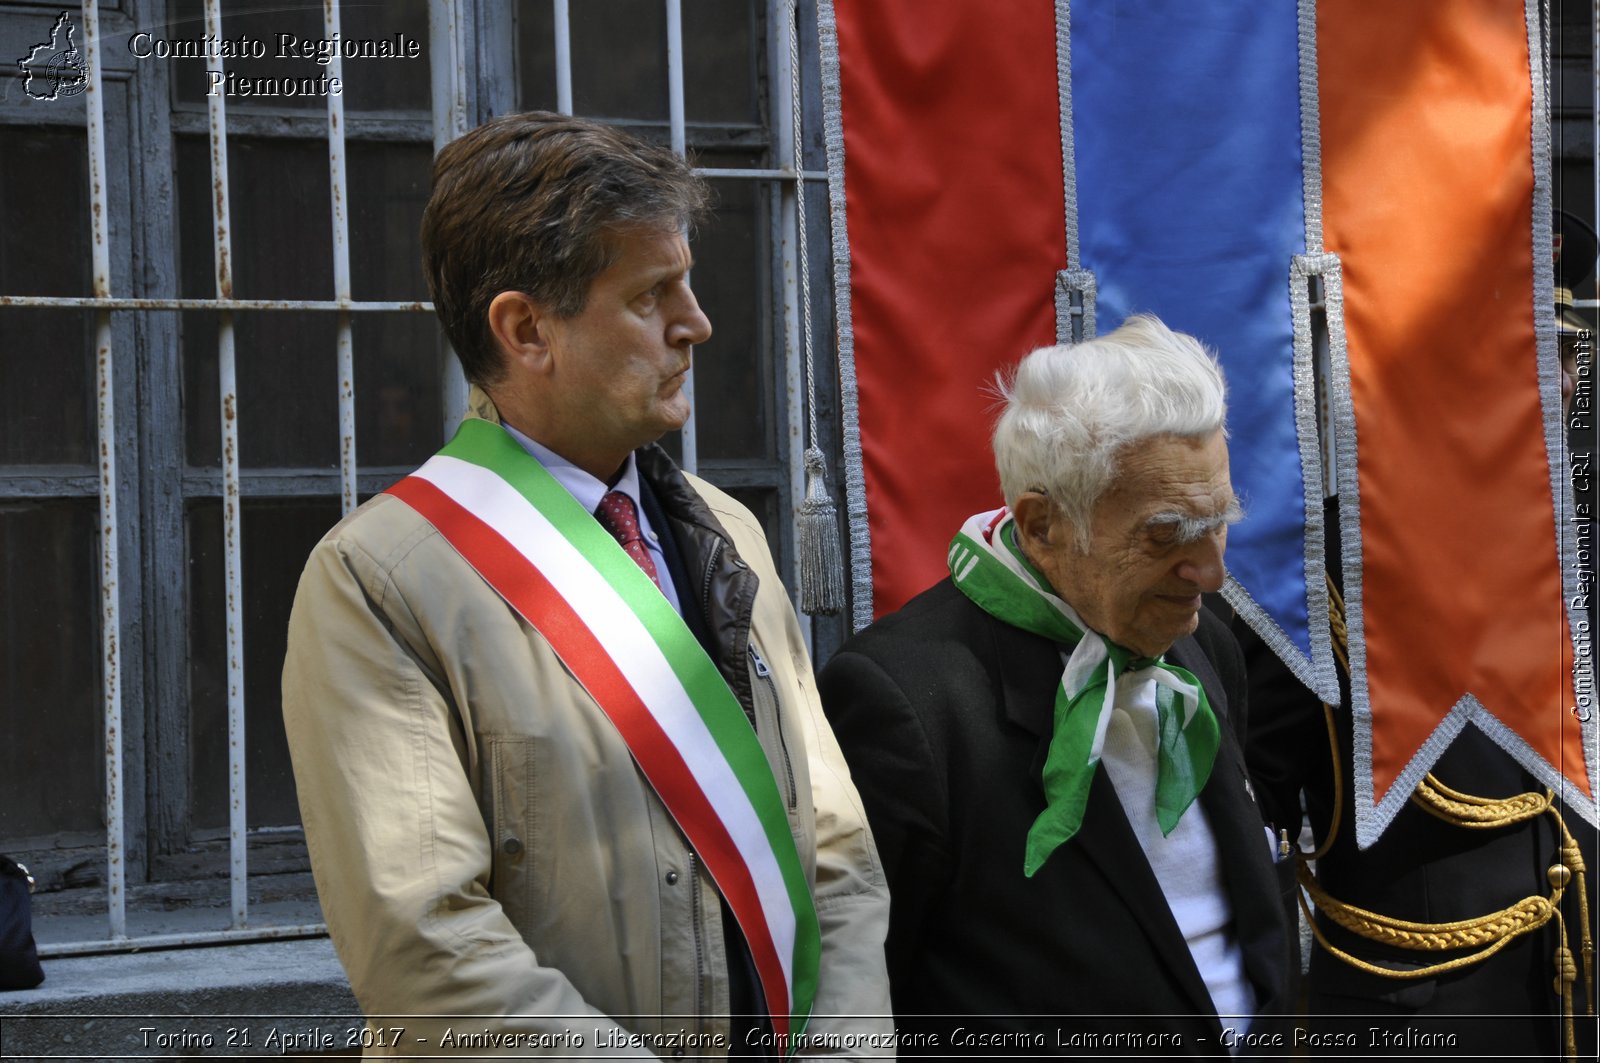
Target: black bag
point(19, 959)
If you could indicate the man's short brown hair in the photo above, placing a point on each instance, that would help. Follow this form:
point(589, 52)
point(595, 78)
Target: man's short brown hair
point(532, 203)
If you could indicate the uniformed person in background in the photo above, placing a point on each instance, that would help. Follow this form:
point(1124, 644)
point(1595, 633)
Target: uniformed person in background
point(1528, 994)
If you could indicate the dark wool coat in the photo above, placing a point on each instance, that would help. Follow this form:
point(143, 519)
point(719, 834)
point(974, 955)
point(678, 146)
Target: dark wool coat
point(945, 715)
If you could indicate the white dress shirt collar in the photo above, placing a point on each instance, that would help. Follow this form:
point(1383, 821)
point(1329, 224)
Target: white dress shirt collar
point(589, 490)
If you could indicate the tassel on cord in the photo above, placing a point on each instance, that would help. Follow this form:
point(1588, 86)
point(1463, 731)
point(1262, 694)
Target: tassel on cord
point(821, 558)
point(821, 561)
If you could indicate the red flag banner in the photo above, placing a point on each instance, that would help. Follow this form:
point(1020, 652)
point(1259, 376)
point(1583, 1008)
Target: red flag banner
point(956, 231)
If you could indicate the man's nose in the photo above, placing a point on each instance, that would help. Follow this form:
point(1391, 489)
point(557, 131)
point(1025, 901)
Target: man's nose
point(691, 325)
point(1202, 564)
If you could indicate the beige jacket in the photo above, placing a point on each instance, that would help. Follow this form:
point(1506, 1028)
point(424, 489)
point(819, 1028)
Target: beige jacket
point(486, 850)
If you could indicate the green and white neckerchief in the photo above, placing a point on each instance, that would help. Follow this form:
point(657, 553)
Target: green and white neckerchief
point(989, 568)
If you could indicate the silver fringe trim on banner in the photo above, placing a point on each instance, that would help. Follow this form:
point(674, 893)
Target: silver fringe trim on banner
point(1317, 671)
point(1310, 127)
point(1075, 286)
point(1544, 299)
point(1069, 158)
point(1370, 821)
point(855, 484)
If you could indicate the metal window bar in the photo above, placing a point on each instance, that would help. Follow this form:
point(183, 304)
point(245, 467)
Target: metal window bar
point(447, 52)
point(339, 197)
point(688, 435)
point(563, 30)
point(110, 562)
point(71, 302)
point(447, 34)
point(221, 218)
point(447, 71)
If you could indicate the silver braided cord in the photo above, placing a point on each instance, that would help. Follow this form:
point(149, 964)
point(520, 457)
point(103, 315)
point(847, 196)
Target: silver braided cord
point(820, 557)
point(800, 222)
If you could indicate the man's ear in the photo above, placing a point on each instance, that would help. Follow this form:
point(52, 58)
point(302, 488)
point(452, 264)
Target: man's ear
point(1033, 513)
point(1041, 531)
point(521, 327)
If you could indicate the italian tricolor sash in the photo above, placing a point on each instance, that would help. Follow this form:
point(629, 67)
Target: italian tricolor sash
point(565, 574)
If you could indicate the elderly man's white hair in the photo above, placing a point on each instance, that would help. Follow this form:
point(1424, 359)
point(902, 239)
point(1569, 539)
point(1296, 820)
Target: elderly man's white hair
point(1070, 411)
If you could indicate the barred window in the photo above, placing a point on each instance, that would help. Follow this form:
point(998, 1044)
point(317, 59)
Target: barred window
point(144, 610)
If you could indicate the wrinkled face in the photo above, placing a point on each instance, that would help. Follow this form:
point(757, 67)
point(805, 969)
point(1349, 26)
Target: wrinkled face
point(1158, 538)
point(620, 363)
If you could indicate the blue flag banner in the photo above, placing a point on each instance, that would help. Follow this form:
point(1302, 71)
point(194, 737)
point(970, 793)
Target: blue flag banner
point(1189, 196)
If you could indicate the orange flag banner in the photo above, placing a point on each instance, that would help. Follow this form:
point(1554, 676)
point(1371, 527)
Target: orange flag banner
point(1435, 178)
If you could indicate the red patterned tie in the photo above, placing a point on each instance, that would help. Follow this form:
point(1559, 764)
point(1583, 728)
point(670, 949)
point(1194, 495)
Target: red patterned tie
point(619, 517)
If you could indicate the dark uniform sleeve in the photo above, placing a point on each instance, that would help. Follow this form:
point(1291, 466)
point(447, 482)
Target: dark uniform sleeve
point(1286, 738)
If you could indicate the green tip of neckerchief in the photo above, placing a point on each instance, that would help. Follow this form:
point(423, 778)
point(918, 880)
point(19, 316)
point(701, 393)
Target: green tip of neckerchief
point(1186, 748)
point(1069, 768)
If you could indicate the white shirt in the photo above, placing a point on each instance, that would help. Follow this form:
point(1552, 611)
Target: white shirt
point(589, 491)
point(1185, 861)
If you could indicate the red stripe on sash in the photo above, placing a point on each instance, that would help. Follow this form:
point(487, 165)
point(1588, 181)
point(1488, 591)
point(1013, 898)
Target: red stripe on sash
point(527, 590)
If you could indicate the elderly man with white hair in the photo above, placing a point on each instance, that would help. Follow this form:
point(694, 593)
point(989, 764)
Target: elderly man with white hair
point(1048, 741)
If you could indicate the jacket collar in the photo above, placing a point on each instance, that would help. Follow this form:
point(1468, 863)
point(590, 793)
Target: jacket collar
point(480, 405)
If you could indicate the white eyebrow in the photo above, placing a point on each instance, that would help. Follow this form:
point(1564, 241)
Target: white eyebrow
point(1192, 529)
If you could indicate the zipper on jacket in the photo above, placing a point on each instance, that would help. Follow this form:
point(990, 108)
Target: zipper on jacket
point(711, 570)
point(705, 610)
point(695, 920)
point(764, 673)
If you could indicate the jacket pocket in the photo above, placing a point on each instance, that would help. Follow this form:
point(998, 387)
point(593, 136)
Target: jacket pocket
point(510, 785)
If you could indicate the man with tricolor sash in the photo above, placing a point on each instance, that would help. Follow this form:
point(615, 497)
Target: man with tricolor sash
point(565, 780)
point(1048, 742)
